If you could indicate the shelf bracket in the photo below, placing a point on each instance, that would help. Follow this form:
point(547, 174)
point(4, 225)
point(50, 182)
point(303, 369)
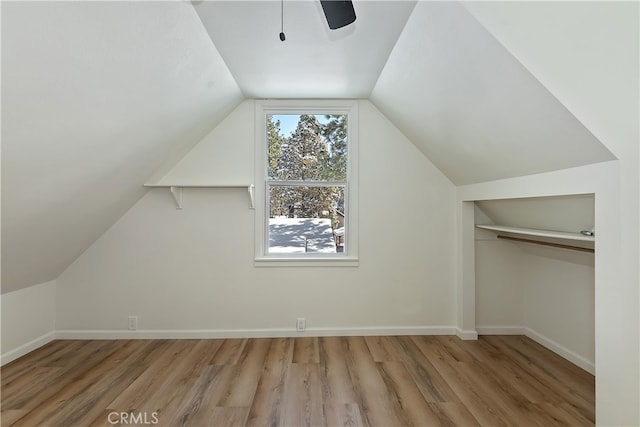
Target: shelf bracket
point(176, 192)
point(251, 189)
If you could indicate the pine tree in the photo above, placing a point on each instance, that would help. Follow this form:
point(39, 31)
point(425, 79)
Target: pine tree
point(335, 133)
point(304, 153)
point(274, 147)
point(274, 152)
point(313, 152)
point(305, 157)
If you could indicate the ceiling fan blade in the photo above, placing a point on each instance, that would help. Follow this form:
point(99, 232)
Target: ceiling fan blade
point(339, 13)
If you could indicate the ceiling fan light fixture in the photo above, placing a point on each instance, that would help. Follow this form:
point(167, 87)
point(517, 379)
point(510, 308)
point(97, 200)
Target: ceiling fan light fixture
point(339, 13)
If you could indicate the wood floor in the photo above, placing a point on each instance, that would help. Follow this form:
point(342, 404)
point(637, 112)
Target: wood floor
point(337, 381)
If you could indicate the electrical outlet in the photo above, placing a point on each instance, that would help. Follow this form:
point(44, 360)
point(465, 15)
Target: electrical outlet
point(301, 324)
point(133, 323)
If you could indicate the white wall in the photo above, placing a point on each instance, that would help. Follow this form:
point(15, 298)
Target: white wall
point(543, 292)
point(558, 299)
point(571, 213)
point(499, 289)
point(28, 319)
point(192, 269)
point(616, 299)
point(587, 55)
point(223, 156)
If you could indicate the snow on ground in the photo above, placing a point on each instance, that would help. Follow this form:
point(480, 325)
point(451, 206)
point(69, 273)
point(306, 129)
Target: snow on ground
point(293, 235)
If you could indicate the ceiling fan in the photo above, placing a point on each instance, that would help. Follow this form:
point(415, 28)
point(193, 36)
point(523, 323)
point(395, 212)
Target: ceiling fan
point(339, 13)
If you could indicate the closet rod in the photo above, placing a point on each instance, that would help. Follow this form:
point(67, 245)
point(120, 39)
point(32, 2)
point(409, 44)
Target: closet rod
point(555, 245)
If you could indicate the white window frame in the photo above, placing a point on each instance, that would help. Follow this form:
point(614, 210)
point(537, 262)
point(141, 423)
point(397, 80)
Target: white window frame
point(263, 258)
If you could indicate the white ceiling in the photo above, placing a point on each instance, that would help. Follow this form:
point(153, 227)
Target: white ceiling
point(95, 97)
point(471, 107)
point(313, 62)
point(99, 96)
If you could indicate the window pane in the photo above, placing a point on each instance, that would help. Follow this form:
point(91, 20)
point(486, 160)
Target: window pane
point(307, 147)
point(306, 219)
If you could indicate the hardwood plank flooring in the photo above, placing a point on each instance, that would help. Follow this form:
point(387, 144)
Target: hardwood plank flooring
point(332, 381)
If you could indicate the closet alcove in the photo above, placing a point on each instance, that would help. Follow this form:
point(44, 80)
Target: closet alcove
point(534, 272)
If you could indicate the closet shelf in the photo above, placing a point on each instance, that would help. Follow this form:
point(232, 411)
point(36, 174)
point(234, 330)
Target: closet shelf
point(176, 190)
point(534, 233)
point(538, 233)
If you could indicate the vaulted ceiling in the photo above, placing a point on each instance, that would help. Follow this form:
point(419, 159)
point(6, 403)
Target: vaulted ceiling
point(97, 97)
point(313, 61)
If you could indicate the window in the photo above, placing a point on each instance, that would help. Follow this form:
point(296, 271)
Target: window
point(306, 168)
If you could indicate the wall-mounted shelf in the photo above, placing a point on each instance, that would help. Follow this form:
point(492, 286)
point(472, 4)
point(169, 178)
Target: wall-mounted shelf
point(537, 233)
point(176, 190)
point(529, 235)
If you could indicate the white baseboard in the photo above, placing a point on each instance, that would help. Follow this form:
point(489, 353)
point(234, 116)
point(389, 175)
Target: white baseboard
point(220, 333)
point(571, 356)
point(12, 355)
point(501, 330)
point(253, 333)
point(466, 335)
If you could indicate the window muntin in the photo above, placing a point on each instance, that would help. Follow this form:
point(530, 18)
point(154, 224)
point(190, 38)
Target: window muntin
point(306, 184)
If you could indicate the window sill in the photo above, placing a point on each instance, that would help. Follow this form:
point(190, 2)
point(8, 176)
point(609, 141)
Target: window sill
point(306, 262)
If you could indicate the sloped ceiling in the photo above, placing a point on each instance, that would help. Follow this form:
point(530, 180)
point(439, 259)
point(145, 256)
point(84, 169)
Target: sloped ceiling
point(582, 43)
point(95, 97)
point(560, 213)
point(313, 61)
point(471, 107)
